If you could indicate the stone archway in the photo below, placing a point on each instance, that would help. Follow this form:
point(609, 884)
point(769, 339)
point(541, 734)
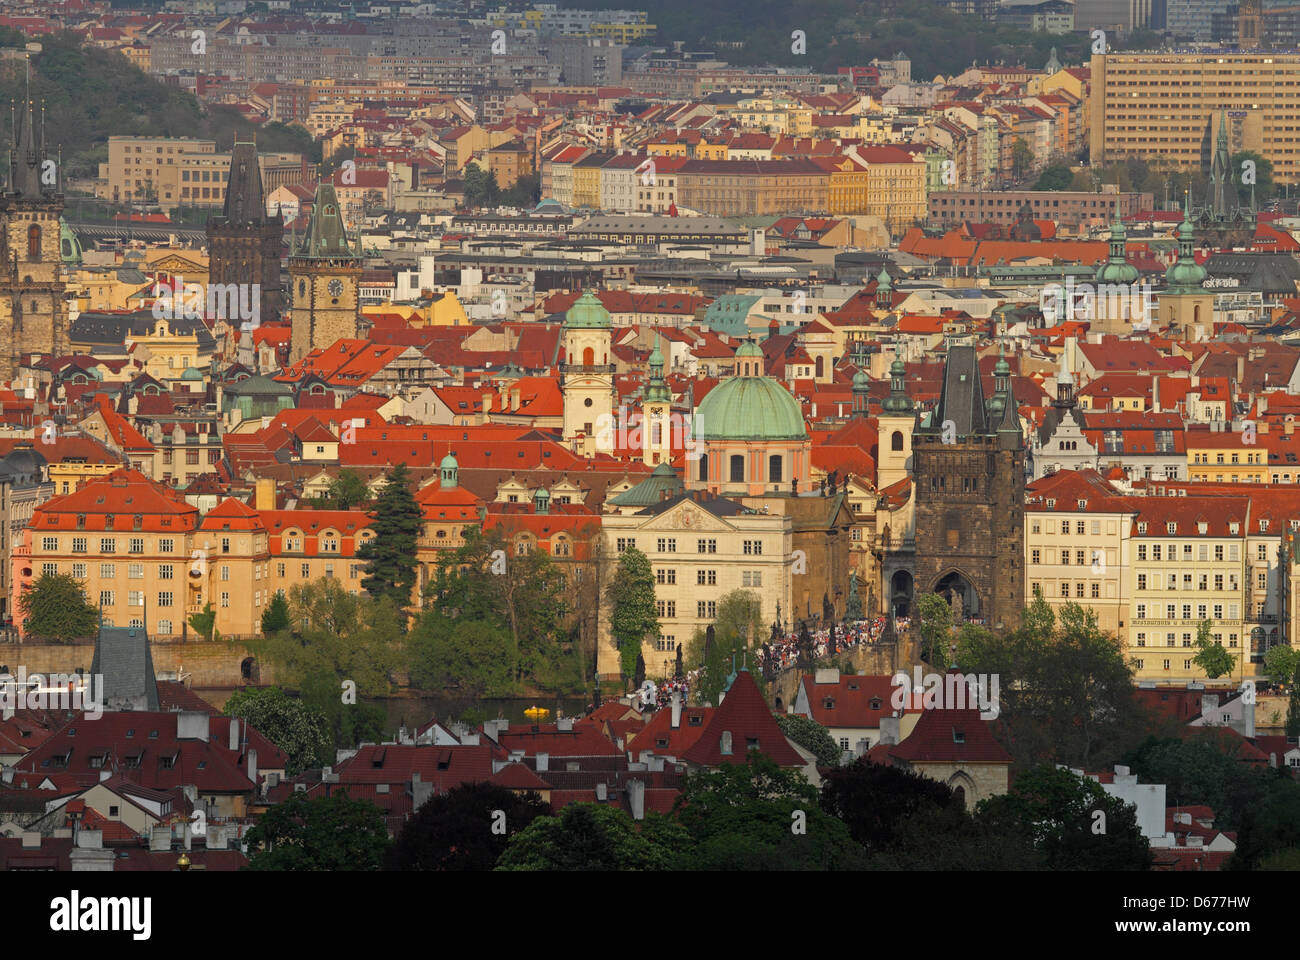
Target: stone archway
point(955, 587)
point(901, 591)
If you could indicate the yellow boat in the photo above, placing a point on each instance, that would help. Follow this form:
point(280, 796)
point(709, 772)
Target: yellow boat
point(536, 713)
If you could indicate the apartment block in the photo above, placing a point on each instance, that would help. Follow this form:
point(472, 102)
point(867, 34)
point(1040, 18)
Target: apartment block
point(1164, 107)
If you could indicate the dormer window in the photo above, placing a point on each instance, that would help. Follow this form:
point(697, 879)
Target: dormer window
point(1202, 527)
point(1263, 526)
point(1142, 527)
point(694, 720)
point(1171, 527)
point(875, 703)
point(828, 703)
point(959, 736)
point(724, 743)
point(1234, 527)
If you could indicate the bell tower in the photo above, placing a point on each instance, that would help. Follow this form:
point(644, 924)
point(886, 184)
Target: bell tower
point(244, 242)
point(588, 377)
point(33, 312)
point(324, 277)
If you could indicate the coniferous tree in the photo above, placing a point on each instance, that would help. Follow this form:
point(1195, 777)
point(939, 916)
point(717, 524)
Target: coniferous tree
point(276, 615)
point(390, 555)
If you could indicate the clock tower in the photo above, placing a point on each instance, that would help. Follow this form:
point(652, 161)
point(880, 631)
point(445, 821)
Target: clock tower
point(324, 277)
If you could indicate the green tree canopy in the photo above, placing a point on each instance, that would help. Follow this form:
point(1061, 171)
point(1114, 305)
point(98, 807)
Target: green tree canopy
point(592, 837)
point(288, 723)
point(56, 608)
point(1211, 656)
point(811, 735)
point(1072, 820)
point(873, 799)
point(454, 830)
point(205, 622)
point(347, 490)
point(276, 615)
point(390, 555)
point(633, 616)
point(758, 815)
point(737, 627)
point(1280, 662)
point(1072, 698)
point(1057, 176)
point(334, 833)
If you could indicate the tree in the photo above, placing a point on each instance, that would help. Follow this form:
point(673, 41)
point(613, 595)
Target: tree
point(758, 815)
point(205, 623)
point(1022, 158)
point(455, 830)
point(633, 616)
point(810, 735)
point(1072, 820)
point(390, 554)
point(1202, 769)
point(1269, 826)
point(1057, 176)
point(1263, 187)
point(936, 629)
point(873, 799)
point(1072, 701)
point(586, 837)
point(323, 833)
point(739, 620)
point(347, 490)
point(56, 608)
point(1281, 662)
point(519, 592)
point(288, 723)
point(276, 615)
point(1212, 658)
point(1293, 707)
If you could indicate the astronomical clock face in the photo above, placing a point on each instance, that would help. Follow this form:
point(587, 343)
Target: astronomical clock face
point(336, 287)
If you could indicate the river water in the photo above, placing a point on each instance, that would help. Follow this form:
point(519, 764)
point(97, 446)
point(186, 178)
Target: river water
point(415, 711)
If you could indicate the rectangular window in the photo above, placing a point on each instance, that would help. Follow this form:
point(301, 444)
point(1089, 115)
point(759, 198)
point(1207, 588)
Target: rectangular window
point(753, 547)
point(666, 575)
point(1142, 551)
point(137, 545)
point(667, 545)
point(78, 544)
point(1065, 588)
point(225, 599)
point(166, 571)
point(1065, 558)
point(79, 571)
point(752, 578)
point(706, 609)
point(106, 598)
point(135, 598)
point(279, 570)
point(225, 572)
point(706, 578)
point(49, 543)
point(107, 571)
point(164, 598)
point(166, 545)
point(306, 570)
point(1142, 581)
point(625, 543)
point(135, 571)
point(1096, 590)
point(707, 546)
point(108, 545)
point(1218, 551)
point(1035, 556)
point(50, 569)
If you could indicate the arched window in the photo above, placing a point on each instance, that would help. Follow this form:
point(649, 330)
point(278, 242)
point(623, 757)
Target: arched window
point(33, 242)
point(774, 468)
point(959, 794)
point(724, 745)
point(704, 466)
point(588, 357)
point(1196, 313)
point(737, 468)
point(819, 368)
point(896, 441)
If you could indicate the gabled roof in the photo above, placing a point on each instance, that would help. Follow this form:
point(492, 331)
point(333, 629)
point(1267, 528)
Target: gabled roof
point(745, 715)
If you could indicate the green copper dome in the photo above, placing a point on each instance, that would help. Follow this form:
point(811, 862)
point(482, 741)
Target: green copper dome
point(1185, 275)
point(861, 381)
point(587, 311)
point(746, 408)
point(1117, 269)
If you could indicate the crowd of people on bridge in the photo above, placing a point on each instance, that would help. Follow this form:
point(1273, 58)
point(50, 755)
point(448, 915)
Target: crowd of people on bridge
point(783, 652)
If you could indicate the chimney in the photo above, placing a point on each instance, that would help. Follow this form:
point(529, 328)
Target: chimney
point(1209, 701)
point(1241, 368)
point(543, 762)
point(636, 798)
point(264, 493)
point(677, 711)
point(602, 792)
point(160, 838)
point(192, 725)
point(234, 733)
point(90, 839)
point(252, 766)
point(1155, 394)
point(420, 790)
point(563, 725)
point(889, 730)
